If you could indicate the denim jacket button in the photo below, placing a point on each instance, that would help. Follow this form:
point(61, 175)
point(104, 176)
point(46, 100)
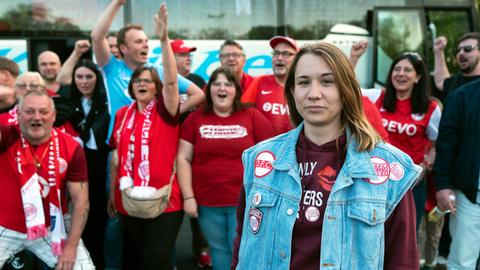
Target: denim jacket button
point(283, 254)
point(289, 211)
point(257, 198)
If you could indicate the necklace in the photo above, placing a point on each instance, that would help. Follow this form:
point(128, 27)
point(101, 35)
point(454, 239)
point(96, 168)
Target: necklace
point(38, 162)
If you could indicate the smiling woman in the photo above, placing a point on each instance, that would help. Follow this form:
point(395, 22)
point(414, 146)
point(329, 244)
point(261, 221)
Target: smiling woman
point(215, 137)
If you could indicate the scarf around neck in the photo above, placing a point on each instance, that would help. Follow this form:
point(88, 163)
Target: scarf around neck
point(30, 178)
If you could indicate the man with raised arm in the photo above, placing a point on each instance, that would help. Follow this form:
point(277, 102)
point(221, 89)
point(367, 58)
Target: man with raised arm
point(133, 46)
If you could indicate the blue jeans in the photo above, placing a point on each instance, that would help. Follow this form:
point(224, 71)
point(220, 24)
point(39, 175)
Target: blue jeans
point(218, 225)
point(465, 231)
point(112, 249)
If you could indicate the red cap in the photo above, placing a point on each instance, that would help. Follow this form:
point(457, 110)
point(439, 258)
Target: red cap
point(179, 47)
point(277, 39)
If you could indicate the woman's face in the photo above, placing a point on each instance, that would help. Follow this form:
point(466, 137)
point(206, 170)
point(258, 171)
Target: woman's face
point(222, 92)
point(85, 80)
point(144, 88)
point(316, 94)
point(404, 76)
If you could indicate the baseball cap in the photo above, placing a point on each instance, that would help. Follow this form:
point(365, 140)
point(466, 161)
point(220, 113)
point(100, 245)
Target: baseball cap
point(178, 46)
point(277, 39)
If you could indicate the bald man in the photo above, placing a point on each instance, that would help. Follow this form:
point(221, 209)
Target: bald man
point(49, 65)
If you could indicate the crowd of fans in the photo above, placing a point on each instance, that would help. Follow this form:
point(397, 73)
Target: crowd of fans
point(300, 169)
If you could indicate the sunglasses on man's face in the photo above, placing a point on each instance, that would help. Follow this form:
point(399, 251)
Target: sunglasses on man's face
point(466, 48)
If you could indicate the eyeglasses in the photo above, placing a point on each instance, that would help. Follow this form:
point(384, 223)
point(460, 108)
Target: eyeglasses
point(285, 54)
point(414, 55)
point(466, 48)
point(33, 86)
point(228, 55)
point(142, 80)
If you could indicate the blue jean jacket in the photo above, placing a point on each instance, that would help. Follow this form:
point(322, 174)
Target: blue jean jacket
point(366, 191)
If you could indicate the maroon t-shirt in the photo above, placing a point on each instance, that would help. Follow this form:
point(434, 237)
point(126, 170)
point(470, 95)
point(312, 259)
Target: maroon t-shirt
point(319, 167)
point(318, 170)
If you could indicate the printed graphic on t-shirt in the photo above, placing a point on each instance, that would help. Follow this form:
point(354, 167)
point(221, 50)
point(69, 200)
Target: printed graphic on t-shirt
point(275, 108)
point(222, 131)
point(317, 186)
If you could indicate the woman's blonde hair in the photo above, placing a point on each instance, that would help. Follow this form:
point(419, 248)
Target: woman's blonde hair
point(352, 116)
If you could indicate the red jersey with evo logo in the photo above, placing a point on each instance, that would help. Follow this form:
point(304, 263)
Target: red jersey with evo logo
point(269, 98)
point(72, 164)
point(410, 132)
point(218, 144)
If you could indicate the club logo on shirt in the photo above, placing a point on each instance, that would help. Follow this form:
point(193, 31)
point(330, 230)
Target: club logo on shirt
point(396, 171)
point(312, 214)
point(418, 116)
point(222, 132)
point(263, 163)
point(275, 108)
point(382, 170)
point(62, 165)
point(326, 177)
point(255, 219)
point(30, 211)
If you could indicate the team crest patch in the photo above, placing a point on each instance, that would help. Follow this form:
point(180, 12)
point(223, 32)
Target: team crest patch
point(255, 219)
point(396, 171)
point(382, 170)
point(143, 170)
point(63, 165)
point(263, 163)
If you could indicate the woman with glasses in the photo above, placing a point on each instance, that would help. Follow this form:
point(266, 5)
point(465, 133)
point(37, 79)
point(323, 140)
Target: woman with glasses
point(410, 116)
point(209, 161)
point(329, 194)
point(146, 138)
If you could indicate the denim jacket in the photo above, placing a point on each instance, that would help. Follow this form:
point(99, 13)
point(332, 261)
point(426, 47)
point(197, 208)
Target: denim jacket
point(365, 193)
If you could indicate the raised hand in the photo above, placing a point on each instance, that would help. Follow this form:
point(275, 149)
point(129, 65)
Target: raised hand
point(161, 22)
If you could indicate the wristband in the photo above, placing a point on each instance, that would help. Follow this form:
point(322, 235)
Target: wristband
point(188, 198)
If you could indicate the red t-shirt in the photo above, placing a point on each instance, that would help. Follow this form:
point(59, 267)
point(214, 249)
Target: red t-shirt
point(410, 132)
point(374, 117)
point(269, 98)
point(73, 168)
point(245, 81)
point(218, 144)
point(163, 143)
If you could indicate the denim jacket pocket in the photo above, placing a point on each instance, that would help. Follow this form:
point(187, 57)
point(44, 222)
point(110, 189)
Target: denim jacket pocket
point(258, 237)
point(365, 231)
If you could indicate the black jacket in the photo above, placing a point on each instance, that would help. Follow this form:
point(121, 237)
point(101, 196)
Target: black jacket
point(457, 161)
point(98, 118)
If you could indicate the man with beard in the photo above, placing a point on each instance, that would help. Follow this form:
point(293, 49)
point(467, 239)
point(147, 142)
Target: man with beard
point(266, 92)
point(468, 55)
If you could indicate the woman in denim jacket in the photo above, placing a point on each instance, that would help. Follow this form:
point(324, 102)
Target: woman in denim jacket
point(328, 194)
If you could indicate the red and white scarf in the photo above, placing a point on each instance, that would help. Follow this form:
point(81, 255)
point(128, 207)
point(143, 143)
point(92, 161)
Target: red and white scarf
point(32, 193)
point(126, 149)
point(12, 116)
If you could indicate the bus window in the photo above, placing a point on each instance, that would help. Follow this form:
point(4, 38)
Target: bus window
point(397, 31)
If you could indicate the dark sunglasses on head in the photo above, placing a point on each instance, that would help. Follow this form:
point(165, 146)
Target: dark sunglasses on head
point(466, 48)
